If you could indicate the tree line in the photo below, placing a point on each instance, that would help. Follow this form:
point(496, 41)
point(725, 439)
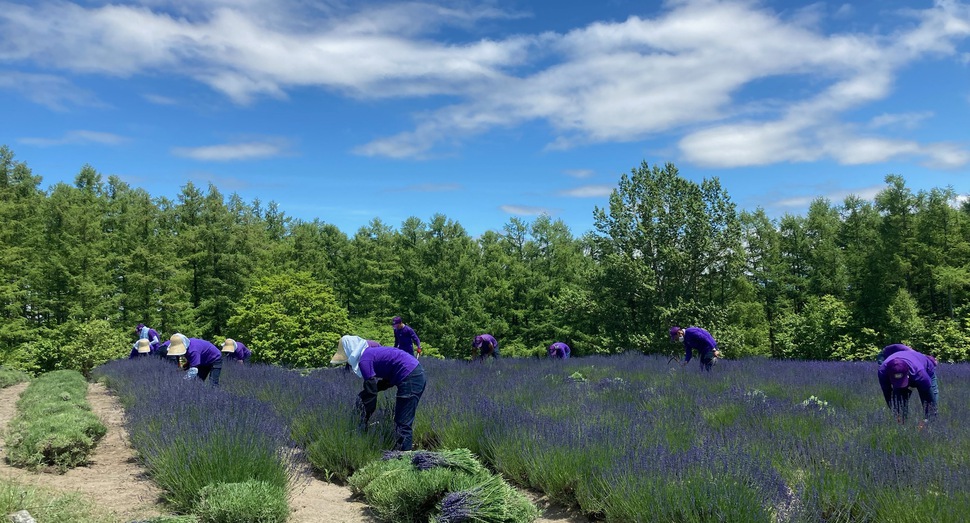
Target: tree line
point(81, 264)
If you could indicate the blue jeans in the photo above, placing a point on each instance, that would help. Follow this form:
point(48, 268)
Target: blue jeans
point(409, 394)
point(707, 361)
point(211, 370)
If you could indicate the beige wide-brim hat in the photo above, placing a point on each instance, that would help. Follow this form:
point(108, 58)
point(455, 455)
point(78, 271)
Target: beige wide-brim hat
point(229, 345)
point(177, 345)
point(143, 347)
point(340, 356)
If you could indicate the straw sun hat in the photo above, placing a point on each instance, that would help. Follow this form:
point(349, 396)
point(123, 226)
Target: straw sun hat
point(178, 345)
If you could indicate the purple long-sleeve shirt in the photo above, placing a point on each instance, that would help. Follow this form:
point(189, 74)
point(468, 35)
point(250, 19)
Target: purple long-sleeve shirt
point(405, 339)
point(386, 363)
point(242, 352)
point(922, 368)
point(201, 352)
point(487, 345)
point(696, 338)
point(150, 334)
point(558, 350)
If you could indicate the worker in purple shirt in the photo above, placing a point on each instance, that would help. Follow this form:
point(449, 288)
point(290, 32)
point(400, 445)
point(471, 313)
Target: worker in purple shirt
point(203, 359)
point(405, 338)
point(903, 371)
point(487, 346)
point(383, 368)
point(696, 338)
point(235, 350)
point(140, 348)
point(558, 350)
point(147, 333)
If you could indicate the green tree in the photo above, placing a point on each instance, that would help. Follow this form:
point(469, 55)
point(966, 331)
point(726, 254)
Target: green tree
point(74, 345)
point(763, 266)
point(20, 203)
point(668, 250)
point(290, 319)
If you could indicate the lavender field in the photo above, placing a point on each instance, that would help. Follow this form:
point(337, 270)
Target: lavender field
point(624, 438)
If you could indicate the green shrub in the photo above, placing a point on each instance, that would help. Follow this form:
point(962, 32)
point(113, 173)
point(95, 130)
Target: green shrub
point(74, 345)
point(290, 319)
point(248, 502)
point(54, 425)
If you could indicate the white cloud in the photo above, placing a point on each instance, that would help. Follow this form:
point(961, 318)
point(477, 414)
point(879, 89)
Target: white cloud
point(588, 191)
point(835, 196)
point(580, 173)
point(249, 49)
point(525, 210)
point(158, 99)
point(946, 156)
point(900, 120)
point(681, 71)
point(77, 137)
point(48, 90)
point(253, 150)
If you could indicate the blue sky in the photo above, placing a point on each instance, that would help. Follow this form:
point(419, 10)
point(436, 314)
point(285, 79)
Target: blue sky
point(482, 111)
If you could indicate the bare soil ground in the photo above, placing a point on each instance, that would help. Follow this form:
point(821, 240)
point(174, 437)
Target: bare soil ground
point(116, 482)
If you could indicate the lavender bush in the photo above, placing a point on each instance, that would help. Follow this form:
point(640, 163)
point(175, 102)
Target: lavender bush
point(191, 436)
point(637, 439)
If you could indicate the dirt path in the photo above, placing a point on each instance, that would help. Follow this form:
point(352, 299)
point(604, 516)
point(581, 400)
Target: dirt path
point(114, 480)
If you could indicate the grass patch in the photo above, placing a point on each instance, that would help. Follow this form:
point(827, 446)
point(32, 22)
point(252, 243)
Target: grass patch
point(54, 425)
point(10, 377)
point(49, 507)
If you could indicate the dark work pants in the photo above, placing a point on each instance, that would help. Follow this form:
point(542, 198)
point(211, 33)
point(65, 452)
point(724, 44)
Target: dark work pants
point(409, 394)
point(900, 401)
point(213, 369)
point(707, 361)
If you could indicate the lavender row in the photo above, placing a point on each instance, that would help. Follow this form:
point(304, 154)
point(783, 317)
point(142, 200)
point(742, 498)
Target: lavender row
point(190, 435)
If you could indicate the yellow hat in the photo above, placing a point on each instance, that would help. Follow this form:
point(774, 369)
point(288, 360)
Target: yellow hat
point(179, 343)
point(143, 347)
point(339, 357)
point(229, 345)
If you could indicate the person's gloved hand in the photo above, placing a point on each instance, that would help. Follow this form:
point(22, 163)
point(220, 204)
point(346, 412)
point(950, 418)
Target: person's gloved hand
point(191, 374)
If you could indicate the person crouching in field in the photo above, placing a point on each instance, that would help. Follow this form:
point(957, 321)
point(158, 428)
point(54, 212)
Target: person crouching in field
point(140, 348)
point(904, 370)
point(234, 350)
point(696, 338)
point(203, 359)
point(487, 346)
point(558, 350)
point(147, 333)
point(383, 368)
